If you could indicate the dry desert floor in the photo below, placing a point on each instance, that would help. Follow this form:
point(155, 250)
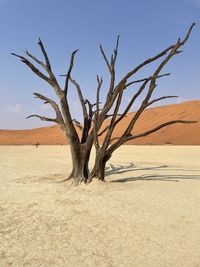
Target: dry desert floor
point(146, 214)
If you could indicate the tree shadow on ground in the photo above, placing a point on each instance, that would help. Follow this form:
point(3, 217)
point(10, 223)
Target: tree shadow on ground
point(164, 178)
point(130, 167)
point(118, 169)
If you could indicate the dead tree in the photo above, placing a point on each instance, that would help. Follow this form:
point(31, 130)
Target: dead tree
point(95, 114)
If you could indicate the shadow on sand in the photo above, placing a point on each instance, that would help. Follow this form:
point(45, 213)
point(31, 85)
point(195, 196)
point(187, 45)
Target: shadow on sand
point(130, 167)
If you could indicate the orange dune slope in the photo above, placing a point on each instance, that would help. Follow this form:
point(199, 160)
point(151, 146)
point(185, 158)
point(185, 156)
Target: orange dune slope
point(179, 134)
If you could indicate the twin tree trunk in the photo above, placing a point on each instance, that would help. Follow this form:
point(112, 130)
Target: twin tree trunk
point(80, 154)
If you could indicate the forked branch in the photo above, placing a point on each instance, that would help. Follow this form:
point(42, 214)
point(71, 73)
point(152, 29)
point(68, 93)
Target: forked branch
point(32, 67)
point(59, 117)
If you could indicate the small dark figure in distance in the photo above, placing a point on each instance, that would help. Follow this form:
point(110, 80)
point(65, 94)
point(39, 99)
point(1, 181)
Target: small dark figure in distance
point(37, 145)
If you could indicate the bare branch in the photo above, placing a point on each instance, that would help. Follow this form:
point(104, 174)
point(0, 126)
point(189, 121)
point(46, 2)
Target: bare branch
point(48, 65)
point(111, 115)
point(111, 67)
point(50, 80)
point(158, 128)
point(105, 58)
point(95, 104)
point(87, 122)
point(35, 59)
point(103, 131)
point(42, 118)
point(69, 71)
point(50, 101)
point(113, 56)
point(112, 123)
point(121, 141)
point(113, 139)
point(112, 71)
point(89, 108)
point(99, 81)
point(78, 125)
point(161, 98)
point(81, 98)
point(33, 68)
point(111, 97)
point(96, 113)
point(116, 50)
point(87, 116)
point(135, 96)
point(188, 33)
point(54, 82)
point(159, 55)
point(147, 79)
point(146, 62)
point(152, 86)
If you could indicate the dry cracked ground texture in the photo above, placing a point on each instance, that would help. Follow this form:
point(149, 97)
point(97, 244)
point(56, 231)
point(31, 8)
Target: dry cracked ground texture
point(56, 230)
point(151, 218)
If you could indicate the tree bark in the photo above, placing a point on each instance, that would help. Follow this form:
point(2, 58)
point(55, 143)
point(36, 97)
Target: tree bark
point(80, 159)
point(98, 170)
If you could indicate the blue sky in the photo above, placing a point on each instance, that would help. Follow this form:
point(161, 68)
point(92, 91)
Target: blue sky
point(145, 27)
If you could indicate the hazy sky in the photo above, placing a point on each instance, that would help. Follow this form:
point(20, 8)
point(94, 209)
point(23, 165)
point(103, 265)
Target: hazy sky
point(145, 27)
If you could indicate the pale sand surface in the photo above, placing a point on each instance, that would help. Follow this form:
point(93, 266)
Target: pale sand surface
point(150, 215)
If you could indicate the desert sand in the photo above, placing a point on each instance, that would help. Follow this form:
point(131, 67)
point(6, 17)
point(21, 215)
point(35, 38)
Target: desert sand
point(145, 214)
point(179, 134)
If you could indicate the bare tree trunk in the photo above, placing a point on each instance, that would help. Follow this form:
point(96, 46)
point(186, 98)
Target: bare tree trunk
point(98, 170)
point(80, 159)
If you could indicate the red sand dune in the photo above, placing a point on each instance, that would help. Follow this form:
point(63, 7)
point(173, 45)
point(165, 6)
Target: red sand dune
point(179, 134)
